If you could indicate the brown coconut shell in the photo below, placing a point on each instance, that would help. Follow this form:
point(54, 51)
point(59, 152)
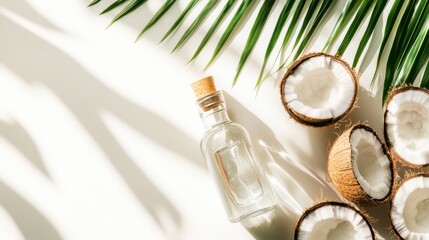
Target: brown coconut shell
point(409, 176)
point(395, 154)
point(316, 122)
point(340, 169)
point(332, 203)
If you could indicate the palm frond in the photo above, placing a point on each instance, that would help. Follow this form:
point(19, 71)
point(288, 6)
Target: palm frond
point(133, 5)
point(310, 30)
point(362, 11)
point(213, 28)
point(378, 10)
point(161, 11)
point(391, 19)
point(93, 3)
point(341, 23)
point(418, 55)
point(242, 9)
point(203, 14)
point(399, 44)
point(305, 23)
point(112, 6)
point(290, 30)
point(425, 79)
point(415, 59)
point(275, 35)
point(326, 4)
point(254, 34)
point(407, 26)
point(181, 18)
point(417, 26)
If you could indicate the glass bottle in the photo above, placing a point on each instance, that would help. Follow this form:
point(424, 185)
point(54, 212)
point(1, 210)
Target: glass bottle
point(230, 157)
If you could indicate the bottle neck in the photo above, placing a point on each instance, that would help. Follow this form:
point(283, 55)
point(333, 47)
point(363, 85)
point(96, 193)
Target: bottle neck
point(215, 116)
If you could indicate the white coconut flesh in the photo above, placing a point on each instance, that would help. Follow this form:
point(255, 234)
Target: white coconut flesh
point(407, 124)
point(410, 209)
point(332, 222)
point(371, 165)
point(320, 87)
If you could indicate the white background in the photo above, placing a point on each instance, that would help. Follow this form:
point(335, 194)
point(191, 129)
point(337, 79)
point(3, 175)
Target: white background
point(99, 136)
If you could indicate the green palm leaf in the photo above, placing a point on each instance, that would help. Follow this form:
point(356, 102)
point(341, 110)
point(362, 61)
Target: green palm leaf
point(399, 44)
point(305, 23)
point(378, 9)
point(203, 14)
point(181, 18)
point(112, 6)
point(363, 9)
point(326, 4)
point(254, 34)
point(425, 79)
point(93, 3)
point(242, 9)
point(415, 27)
point(341, 23)
point(213, 28)
point(416, 58)
point(161, 11)
point(275, 35)
point(290, 29)
point(133, 5)
point(391, 19)
point(418, 55)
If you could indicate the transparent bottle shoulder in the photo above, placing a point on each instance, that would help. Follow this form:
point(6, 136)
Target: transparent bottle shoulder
point(224, 134)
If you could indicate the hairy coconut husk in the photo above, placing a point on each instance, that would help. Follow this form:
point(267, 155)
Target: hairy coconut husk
point(309, 121)
point(342, 175)
point(394, 153)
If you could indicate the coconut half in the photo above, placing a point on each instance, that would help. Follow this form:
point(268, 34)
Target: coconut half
point(409, 212)
point(333, 221)
point(360, 167)
point(406, 125)
point(319, 89)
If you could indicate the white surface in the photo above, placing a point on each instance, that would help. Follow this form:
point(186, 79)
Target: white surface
point(99, 136)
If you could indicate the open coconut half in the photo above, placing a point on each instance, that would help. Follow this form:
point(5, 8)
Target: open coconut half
point(333, 221)
point(319, 89)
point(406, 125)
point(360, 167)
point(409, 212)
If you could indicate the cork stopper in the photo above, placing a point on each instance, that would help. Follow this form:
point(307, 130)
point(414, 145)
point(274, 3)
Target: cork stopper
point(204, 87)
point(207, 96)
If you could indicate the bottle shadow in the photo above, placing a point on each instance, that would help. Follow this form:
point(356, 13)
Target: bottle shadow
point(86, 97)
point(297, 186)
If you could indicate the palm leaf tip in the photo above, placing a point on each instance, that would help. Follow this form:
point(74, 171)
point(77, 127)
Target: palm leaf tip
point(196, 23)
point(255, 32)
point(376, 13)
point(112, 6)
point(242, 9)
point(93, 3)
point(213, 28)
point(133, 5)
point(180, 19)
point(161, 11)
point(274, 37)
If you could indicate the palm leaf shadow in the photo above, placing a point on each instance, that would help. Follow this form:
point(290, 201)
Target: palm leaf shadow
point(16, 135)
point(86, 97)
point(22, 8)
point(31, 223)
